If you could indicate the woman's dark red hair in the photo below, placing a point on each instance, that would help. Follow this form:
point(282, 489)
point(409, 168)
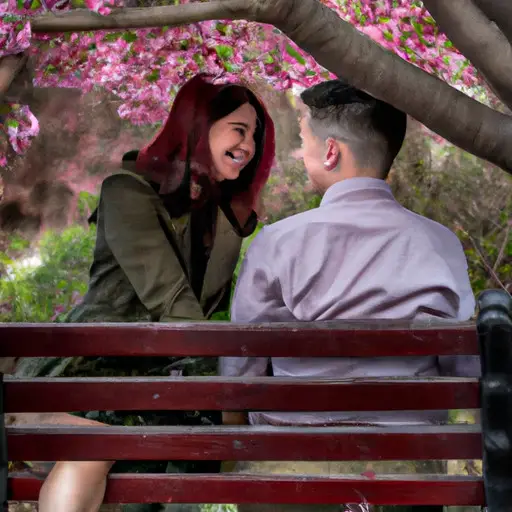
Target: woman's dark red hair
point(185, 138)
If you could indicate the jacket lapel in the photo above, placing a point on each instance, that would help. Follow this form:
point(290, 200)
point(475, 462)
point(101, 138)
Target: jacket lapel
point(224, 254)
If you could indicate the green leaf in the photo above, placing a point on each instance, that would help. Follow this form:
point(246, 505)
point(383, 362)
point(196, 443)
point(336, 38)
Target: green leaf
point(153, 76)
point(295, 54)
point(222, 28)
point(388, 35)
point(10, 18)
point(405, 35)
point(12, 123)
point(4, 259)
point(112, 36)
point(224, 52)
point(17, 243)
point(417, 27)
point(129, 37)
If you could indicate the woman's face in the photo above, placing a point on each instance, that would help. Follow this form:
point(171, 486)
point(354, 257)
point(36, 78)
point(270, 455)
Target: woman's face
point(232, 142)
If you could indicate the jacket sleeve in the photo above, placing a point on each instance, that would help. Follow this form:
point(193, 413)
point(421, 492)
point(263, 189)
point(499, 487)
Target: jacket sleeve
point(137, 241)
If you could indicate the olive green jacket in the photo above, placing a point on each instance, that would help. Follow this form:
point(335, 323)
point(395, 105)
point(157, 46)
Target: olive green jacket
point(136, 275)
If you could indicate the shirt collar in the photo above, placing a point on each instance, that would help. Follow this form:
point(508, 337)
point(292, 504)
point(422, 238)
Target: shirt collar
point(341, 188)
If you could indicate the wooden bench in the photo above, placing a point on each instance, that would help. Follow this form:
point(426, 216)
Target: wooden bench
point(337, 339)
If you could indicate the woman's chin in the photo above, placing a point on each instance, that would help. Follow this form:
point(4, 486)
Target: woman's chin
point(228, 174)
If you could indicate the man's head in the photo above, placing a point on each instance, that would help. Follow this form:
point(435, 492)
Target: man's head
point(347, 133)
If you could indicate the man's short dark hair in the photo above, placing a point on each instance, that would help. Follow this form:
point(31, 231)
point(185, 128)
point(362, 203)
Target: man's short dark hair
point(373, 129)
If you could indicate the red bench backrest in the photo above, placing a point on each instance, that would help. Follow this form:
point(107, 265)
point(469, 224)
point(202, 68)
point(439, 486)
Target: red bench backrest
point(335, 339)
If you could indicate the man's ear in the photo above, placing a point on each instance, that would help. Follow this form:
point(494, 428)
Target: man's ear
point(333, 156)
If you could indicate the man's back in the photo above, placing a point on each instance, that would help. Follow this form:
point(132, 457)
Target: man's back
point(360, 255)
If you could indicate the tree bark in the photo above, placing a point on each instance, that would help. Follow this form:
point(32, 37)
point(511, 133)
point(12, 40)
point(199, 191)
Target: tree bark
point(500, 12)
point(35, 97)
point(141, 17)
point(340, 48)
point(10, 66)
point(479, 39)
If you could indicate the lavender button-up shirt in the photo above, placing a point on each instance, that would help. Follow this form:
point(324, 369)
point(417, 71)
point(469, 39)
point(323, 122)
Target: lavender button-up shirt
point(360, 255)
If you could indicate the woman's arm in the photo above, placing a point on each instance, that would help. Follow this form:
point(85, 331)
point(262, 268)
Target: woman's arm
point(137, 241)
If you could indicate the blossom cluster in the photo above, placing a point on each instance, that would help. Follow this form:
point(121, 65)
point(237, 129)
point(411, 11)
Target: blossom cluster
point(145, 67)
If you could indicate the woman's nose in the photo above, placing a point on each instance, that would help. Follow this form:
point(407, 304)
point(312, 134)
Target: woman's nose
point(248, 145)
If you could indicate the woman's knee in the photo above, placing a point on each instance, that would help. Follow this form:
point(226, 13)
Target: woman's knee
point(74, 486)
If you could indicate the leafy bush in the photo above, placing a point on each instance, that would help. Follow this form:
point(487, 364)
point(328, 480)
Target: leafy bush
point(49, 281)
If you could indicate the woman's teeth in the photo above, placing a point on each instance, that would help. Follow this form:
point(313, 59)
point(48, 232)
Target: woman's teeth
point(236, 159)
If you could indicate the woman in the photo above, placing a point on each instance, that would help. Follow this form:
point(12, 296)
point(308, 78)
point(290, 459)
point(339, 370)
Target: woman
point(169, 233)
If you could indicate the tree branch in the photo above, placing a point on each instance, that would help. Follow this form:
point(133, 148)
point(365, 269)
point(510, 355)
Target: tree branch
point(141, 17)
point(10, 66)
point(501, 253)
point(340, 48)
point(500, 12)
point(486, 264)
point(479, 39)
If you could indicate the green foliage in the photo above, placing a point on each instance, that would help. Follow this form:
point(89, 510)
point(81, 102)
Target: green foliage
point(43, 292)
point(86, 204)
point(218, 508)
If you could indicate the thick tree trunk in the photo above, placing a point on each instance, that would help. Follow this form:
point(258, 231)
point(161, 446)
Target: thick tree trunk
point(500, 12)
point(340, 48)
point(479, 39)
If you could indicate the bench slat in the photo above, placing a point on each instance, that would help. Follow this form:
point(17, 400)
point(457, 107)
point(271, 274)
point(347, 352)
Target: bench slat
point(257, 394)
point(244, 443)
point(366, 338)
point(397, 490)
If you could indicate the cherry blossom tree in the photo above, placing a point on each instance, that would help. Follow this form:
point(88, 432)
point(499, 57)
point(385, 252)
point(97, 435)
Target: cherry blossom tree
point(435, 60)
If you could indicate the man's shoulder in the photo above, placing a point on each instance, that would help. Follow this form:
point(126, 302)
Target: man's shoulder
point(430, 226)
point(284, 229)
point(279, 238)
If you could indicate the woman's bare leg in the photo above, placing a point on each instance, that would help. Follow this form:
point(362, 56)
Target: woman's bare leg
point(77, 486)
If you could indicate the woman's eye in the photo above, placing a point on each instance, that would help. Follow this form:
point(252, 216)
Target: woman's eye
point(241, 131)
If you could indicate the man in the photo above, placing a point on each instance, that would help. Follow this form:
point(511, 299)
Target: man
point(360, 255)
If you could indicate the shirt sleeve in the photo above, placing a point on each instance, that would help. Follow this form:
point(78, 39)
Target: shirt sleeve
point(462, 366)
point(257, 299)
point(140, 246)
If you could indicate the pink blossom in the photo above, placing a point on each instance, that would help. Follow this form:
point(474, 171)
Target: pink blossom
point(145, 67)
point(21, 126)
point(14, 35)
